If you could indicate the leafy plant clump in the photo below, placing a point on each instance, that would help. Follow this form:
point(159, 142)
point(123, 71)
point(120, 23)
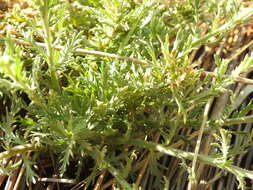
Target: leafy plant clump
point(111, 94)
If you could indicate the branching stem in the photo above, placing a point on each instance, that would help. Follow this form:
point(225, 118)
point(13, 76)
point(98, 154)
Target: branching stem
point(80, 51)
point(17, 150)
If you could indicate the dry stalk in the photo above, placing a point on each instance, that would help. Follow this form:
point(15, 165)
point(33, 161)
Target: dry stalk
point(237, 79)
point(181, 142)
point(57, 180)
point(30, 186)
point(12, 179)
point(20, 174)
point(215, 178)
point(114, 186)
point(50, 187)
point(239, 51)
point(192, 184)
point(138, 165)
point(173, 168)
point(146, 162)
point(108, 184)
point(17, 184)
point(2, 178)
point(100, 180)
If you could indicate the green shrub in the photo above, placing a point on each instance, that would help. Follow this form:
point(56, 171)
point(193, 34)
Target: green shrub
point(76, 107)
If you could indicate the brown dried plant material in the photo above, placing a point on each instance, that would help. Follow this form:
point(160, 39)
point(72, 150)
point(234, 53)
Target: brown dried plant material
point(3, 5)
point(6, 7)
point(8, 4)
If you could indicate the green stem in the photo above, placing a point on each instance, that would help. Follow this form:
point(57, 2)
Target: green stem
point(237, 19)
point(118, 177)
point(189, 156)
point(49, 47)
point(17, 150)
point(240, 120)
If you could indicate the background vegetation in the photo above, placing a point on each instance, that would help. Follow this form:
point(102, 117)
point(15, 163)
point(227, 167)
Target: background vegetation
point(126, 94)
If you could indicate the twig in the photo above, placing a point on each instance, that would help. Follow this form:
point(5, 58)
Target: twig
point(2, 178)
point(192, 183)
point(100, 180)
point(80, 51)
point(20, 175)
point(242, 49)
point(108, 184)
point(237, 79)
point(145, 165)
point(4, 164)
point(12, 180)
point(57, 180)
point(215, 178)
